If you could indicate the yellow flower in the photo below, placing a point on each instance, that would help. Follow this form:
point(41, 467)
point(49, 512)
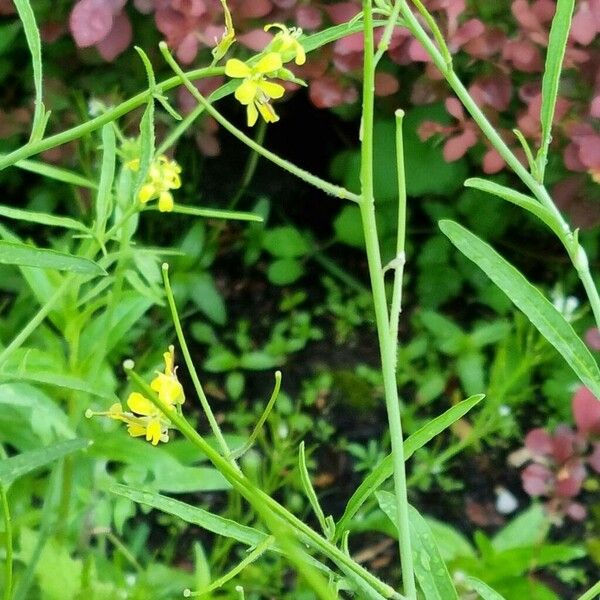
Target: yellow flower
point(143, 418)
point(163, 176)
point(255, 92)
point(286, 43)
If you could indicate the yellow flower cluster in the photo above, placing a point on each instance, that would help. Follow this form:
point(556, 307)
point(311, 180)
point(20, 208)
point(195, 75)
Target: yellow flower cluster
point(163, 176)
point(255, 92)
point(143, 418)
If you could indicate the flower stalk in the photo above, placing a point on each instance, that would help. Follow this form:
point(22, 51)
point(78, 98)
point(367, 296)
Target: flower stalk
point(387, 346)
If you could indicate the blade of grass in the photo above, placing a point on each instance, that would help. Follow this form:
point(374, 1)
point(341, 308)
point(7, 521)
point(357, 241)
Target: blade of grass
point(16, 466)
point(557, 43)
point(32, 34)
point(56, 173)
point(15, 253)
point(30, 216)
point(385, 469)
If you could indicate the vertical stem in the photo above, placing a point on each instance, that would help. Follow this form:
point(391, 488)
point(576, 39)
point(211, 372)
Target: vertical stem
point(400, 259)
point(367, 209)
point(8, 565)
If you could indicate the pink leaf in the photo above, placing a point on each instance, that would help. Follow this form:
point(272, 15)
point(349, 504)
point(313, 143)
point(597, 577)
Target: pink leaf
point(592, 338)
point(456, 146)
point(455, 108)
point(536, 480)
point(569, 480)
point(492, 162)
point(576, 511)
point(385, 84)
point(118, 40)
point(90, 21)
point(594, 458)
point(538, 442)
point(308, 17)
point(586, 411)
point(583, 29)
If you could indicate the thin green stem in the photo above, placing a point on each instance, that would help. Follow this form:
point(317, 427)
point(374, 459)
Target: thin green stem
point(261, 421)
point(41, 314)
point(592, 593)
point(576, 253)
point(8, 543)
point(328, 188)
point(384, 42)
point(110, 115)
point(367, 209)
point(400, 259)
point(214, 426)
point(262, 502)
point(250, 558)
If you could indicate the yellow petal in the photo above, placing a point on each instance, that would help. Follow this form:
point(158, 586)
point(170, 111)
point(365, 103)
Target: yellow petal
point(169, 357)
point(246, 92)
point(165, 202)
point(236, 68)
point(168, 388)
point(251, 114)
point(136, 430)
point(267, 112)
point(272, 90)
point(140, 404)
point(146, 192)
point(153, 432)
point(300, 54)
point(269, 63)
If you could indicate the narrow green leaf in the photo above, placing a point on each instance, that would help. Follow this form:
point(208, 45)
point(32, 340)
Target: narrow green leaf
point(67, 382)
point(15, 253)
point(309, 490)
point(191, 514)
point(557, 43)
point(385, 469)
point(430, 569)
point(483, 589)
point(32, 35)
point(56, 173)
point(522, 200)
point(30, 216)
point(547, 319)
point(107, 176)
point(215, 213)
point(16, 466)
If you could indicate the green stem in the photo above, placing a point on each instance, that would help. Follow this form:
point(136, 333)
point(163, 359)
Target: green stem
point(261, 501)
point(214, 426)
point(387, 350)
point(591, 593)
point(328, 188)
point(8, 564)
point(261, 421)
point(250, 558)
point(576, 253)
point(400, 258)
point(384, 42)
point(110, 115)
point(41, 314)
